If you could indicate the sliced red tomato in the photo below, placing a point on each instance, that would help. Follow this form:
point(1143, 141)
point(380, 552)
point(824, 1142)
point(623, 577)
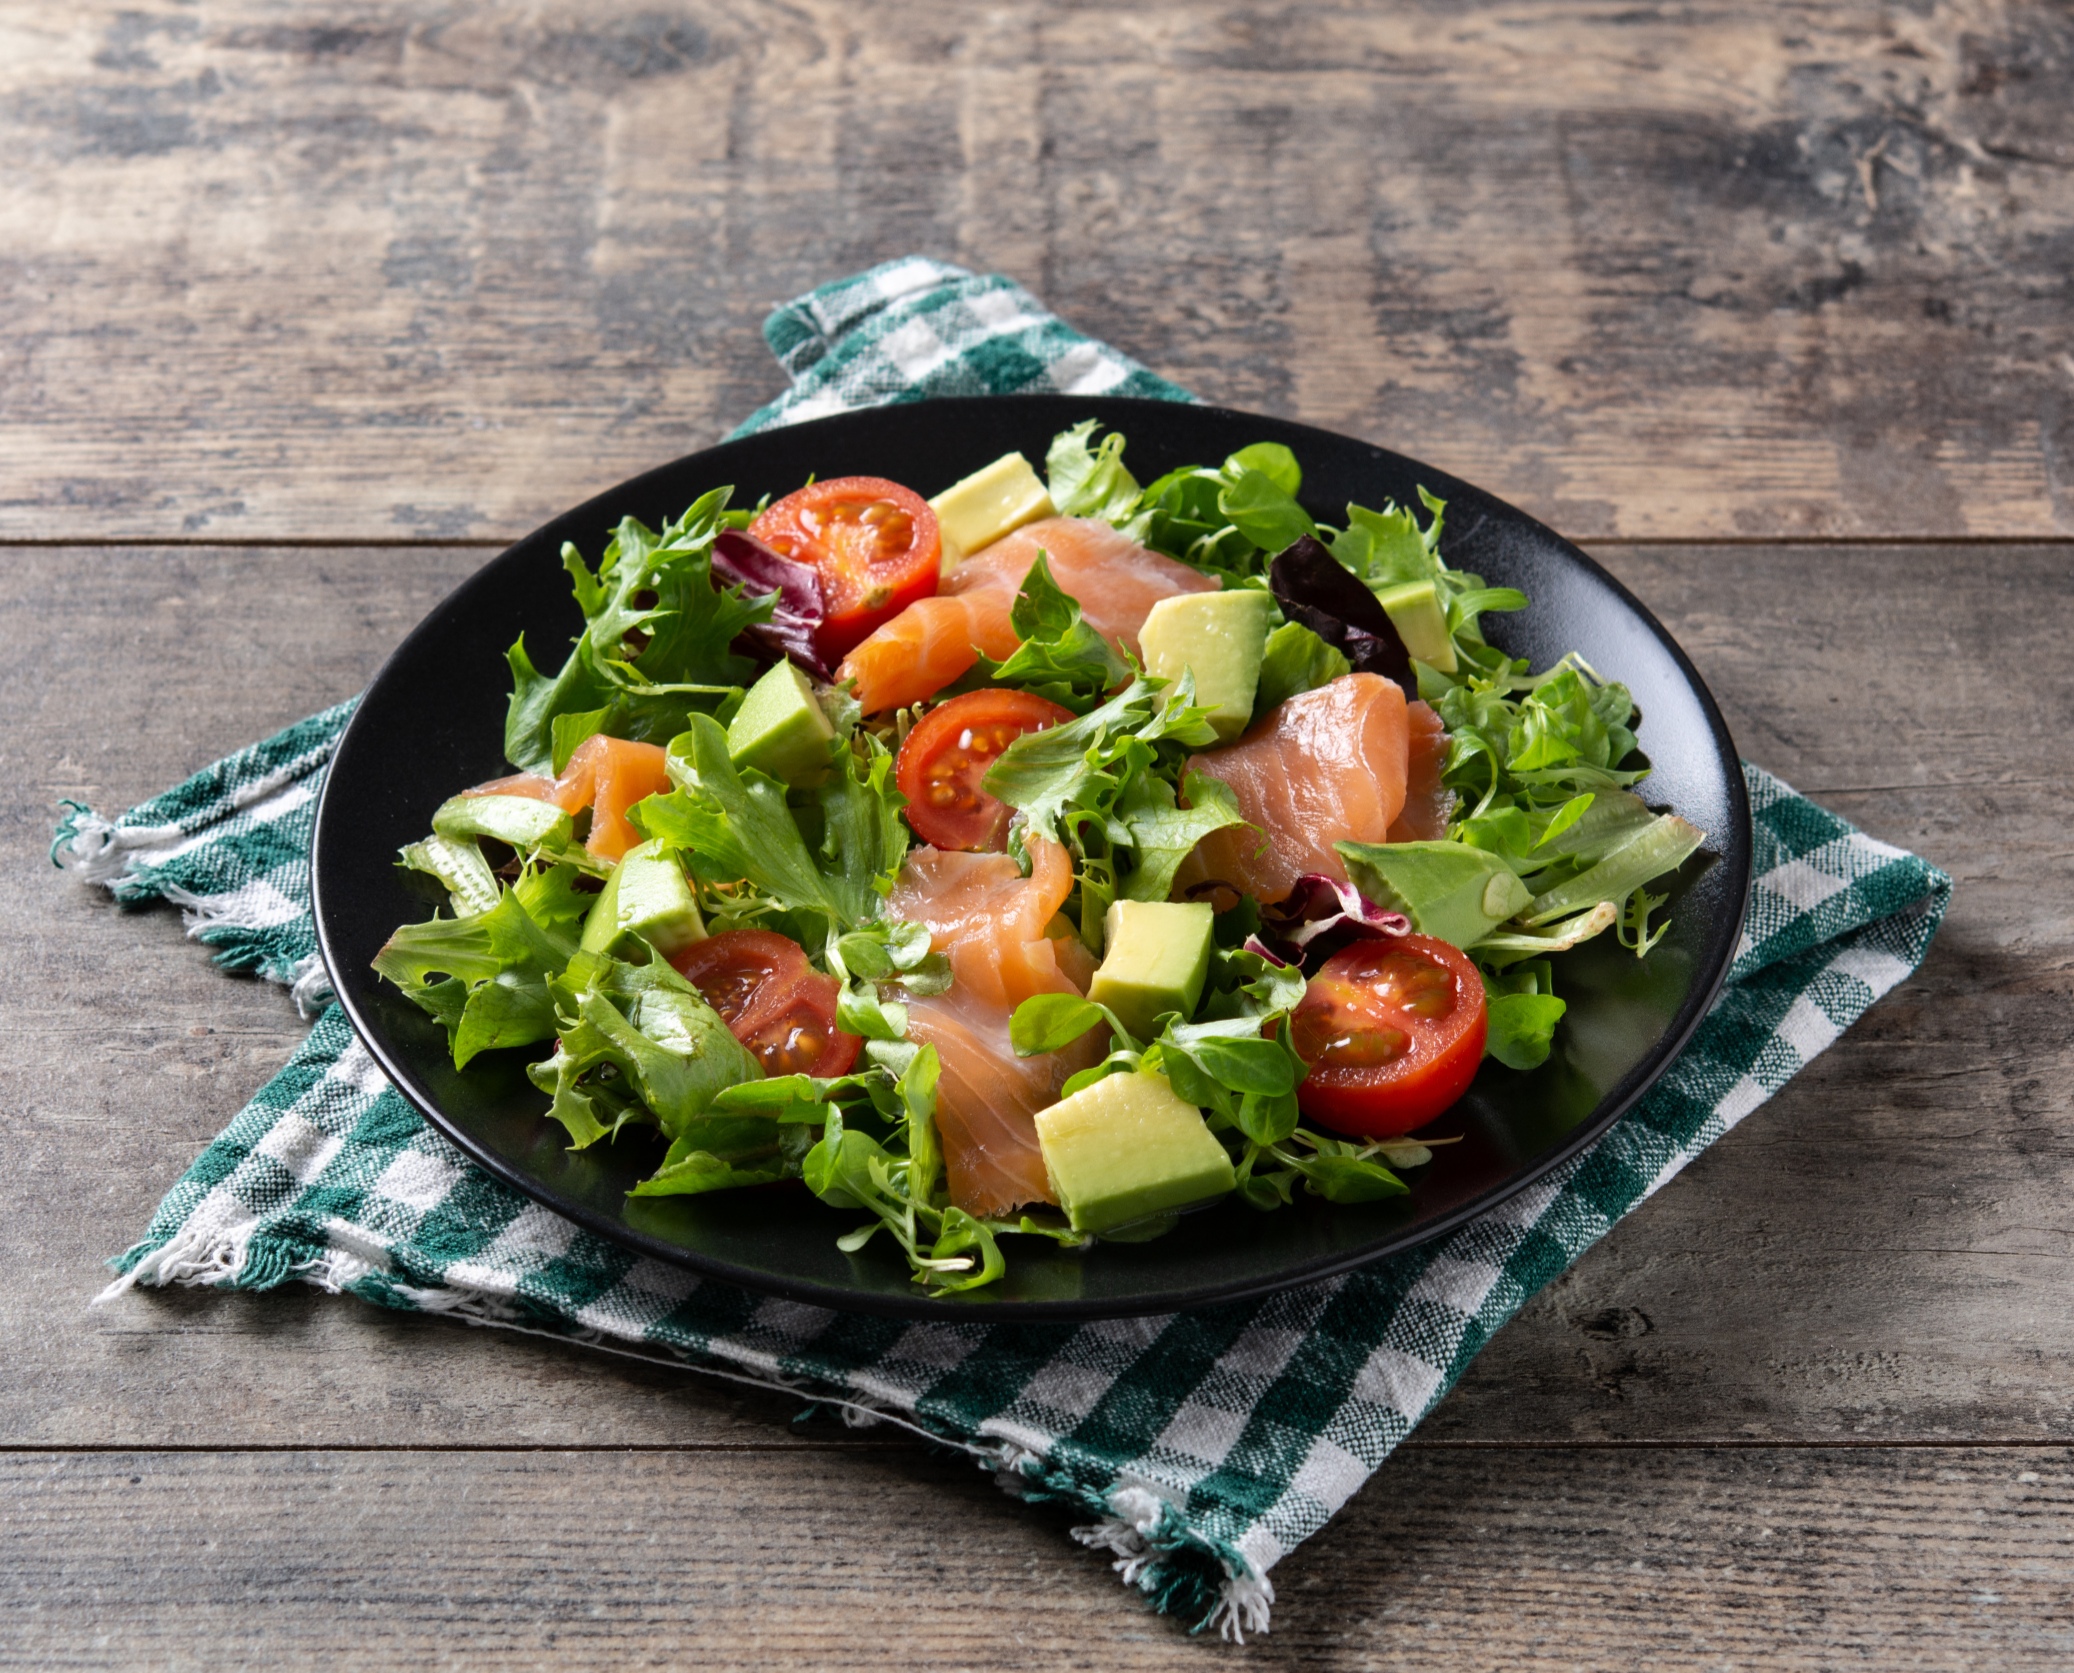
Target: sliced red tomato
point(948, 753)
point(875, 544)
point(772, 1000)
point(1393, 1030)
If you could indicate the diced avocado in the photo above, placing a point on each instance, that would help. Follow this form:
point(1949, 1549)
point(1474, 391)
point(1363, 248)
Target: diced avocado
point(1222, 636)
point(1128, 1148)
point(1158, 955)
point(1449, 890)
point(781, 729)
point(645, 896)
point(988, 504)
point(1420, 618)
point(521, 821)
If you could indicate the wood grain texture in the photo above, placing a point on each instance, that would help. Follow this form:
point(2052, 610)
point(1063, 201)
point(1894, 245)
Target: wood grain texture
point(1520, 1559)
point(366, 270)
point(1881, 1253)
point(1917, 1168)
point(123, 1052)
point(381, 273)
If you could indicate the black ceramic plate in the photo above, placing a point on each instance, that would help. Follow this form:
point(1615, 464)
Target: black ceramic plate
point(432, 722)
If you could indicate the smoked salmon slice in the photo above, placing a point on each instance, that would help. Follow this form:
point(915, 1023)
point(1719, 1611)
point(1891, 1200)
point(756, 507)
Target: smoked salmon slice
point(1427, 802)
point(1330, 765)
point(989, 919)
point(991, 922)
point(935, 640)
point(607, 775)
point(987, 1101)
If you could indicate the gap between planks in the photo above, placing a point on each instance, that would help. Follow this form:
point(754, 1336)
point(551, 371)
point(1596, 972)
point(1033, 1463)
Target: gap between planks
point(892, 1443)
point(315, 543)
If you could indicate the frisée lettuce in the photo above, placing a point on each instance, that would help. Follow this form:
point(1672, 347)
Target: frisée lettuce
point(1547, 843)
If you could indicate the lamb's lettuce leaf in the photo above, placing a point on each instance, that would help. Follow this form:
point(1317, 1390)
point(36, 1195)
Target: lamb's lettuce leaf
point(1296, 660)
point(1060, 658)
point(1522, 1012)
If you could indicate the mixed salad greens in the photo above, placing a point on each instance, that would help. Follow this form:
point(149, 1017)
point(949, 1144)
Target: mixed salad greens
point(691, 893)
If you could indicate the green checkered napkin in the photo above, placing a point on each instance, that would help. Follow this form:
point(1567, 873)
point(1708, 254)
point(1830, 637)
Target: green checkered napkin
point(1205, 1445)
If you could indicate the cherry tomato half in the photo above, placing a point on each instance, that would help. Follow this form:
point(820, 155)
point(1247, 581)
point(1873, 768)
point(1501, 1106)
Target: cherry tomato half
point(772, 1000)
point(948, 753)
point(875, 544)
point(1393, 1030)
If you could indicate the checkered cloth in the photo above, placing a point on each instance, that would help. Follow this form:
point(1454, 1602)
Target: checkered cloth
point(1205, 1445)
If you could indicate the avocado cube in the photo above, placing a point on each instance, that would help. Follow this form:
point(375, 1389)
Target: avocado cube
point(645, 896)
point(521, 821)
point(1157, 957)
point(1416, 612)
point(781, 729)
point(1128, 1148)
point(988, 504)
point(1222, 636)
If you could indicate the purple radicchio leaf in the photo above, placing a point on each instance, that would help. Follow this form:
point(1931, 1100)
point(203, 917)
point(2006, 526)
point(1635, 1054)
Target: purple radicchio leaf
point(1324, 906)
point(1253, 944)
point(746, 562)
point(1315, 588)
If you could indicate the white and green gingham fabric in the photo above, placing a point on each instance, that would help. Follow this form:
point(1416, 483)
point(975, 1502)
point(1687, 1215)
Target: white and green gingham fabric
point(1204, 1445)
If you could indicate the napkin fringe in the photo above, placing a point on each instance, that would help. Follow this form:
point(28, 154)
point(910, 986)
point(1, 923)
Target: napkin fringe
point(193, 1255)
point(244, 925)
point(1177, 1569)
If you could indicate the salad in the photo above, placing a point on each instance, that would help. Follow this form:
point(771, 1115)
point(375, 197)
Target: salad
point(1047, 858)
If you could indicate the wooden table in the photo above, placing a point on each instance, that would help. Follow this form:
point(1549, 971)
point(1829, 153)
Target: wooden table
point(308, 309)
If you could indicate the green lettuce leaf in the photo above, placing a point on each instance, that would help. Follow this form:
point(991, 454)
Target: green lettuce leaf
point(1163, 834)
point(502, 961)
point(1060, 658)
point(1043, 774)
point(1086, 478)
point(638, 1043)
point(654, 648)
point(1296, 660)
point(738, 827)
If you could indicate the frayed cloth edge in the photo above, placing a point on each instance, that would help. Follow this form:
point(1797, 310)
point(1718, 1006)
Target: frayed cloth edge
point(1152, 1551)
point(98, 851)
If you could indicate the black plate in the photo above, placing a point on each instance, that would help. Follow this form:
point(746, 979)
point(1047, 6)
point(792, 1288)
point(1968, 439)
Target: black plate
point(433, 722)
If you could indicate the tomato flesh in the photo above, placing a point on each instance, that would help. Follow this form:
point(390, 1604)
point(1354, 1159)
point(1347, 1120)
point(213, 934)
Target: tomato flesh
point(947, 755)
point(1393, 1031)
point(875, 544)
point(772, 1000)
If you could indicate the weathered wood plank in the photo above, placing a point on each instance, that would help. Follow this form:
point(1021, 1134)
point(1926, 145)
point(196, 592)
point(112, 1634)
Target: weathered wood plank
point(1880, 1253)
point(125, 1052)
point(1770, 1558)
point(1762, 269)
point(1917, 1169)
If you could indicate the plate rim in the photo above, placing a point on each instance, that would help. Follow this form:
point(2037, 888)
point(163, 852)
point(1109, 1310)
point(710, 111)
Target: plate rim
point(980, 1308)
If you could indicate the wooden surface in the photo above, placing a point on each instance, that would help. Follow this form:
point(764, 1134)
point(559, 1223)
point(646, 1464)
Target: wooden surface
point(303, 309)
point(1732, 271)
